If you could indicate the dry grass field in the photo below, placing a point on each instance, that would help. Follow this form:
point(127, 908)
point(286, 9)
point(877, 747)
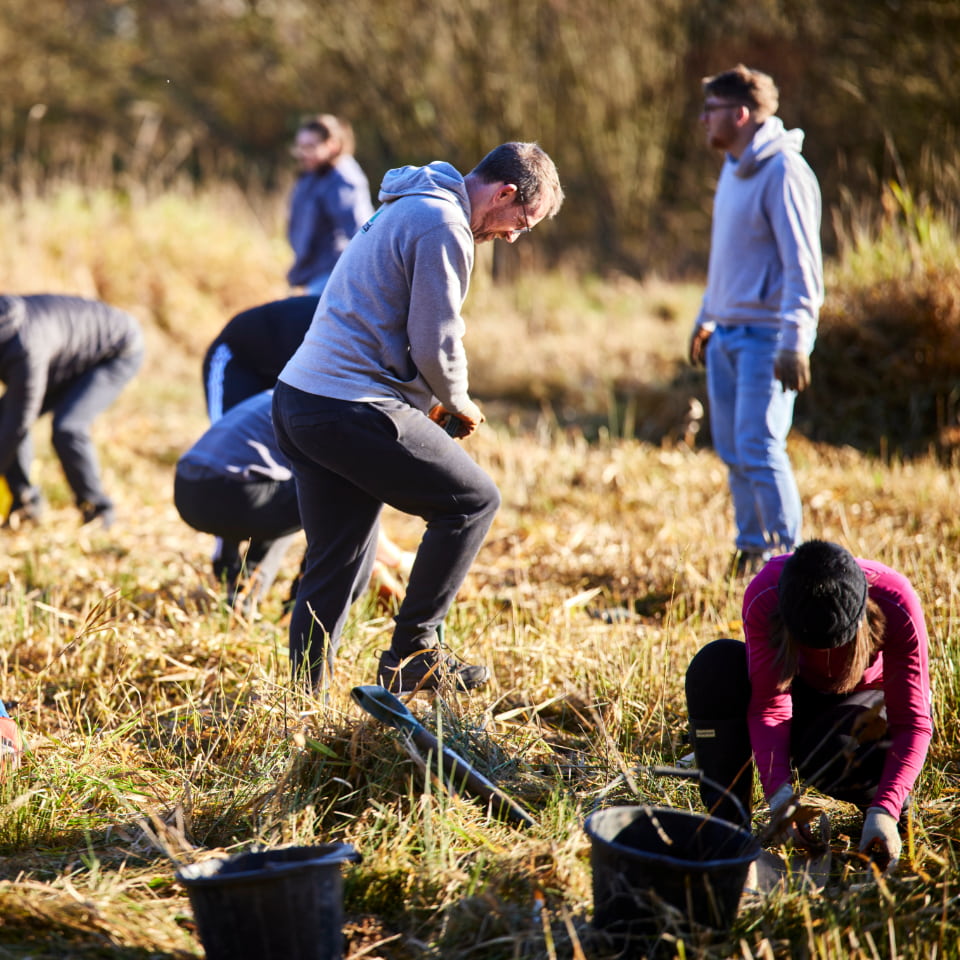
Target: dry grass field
point(163, 728)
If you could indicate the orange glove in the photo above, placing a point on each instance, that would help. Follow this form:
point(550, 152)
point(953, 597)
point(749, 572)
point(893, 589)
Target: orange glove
point(469, 419)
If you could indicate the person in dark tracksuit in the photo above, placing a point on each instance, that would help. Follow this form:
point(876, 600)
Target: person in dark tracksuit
point(245, 359)
point(250, 351)
point(234, 483)
point(70, 357)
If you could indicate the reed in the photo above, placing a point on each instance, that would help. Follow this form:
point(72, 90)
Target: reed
point(164, 728)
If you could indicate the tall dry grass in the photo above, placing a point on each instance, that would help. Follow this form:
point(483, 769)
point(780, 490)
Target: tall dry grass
point(163, 727)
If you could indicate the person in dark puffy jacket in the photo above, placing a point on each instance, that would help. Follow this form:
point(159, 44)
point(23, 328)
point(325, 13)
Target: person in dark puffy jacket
point(70, 357)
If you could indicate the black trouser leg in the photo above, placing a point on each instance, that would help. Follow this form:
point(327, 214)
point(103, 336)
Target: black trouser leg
point(839, 742)
point(718, 694)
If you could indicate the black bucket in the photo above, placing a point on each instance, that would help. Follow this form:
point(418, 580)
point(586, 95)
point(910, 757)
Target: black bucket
point(284, 904)
point(655, 869)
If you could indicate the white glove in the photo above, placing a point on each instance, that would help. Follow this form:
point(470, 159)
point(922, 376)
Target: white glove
point(784, 823)
point(881, 836)
point(782, 806)
point(783, 795)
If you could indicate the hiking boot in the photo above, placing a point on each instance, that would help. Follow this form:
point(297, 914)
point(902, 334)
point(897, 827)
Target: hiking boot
point(745, 563)
point(103, 512)
point(25, 509)
point(428, 670)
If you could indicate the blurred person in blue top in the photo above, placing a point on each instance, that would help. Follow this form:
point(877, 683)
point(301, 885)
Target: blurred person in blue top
point(244, 360)
point(329, 203)
point(234, 482)
point(757, 324)
point(358, 409)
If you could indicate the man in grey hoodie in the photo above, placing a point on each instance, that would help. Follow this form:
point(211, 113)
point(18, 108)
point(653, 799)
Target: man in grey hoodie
point(358, 408)
point(757, 325)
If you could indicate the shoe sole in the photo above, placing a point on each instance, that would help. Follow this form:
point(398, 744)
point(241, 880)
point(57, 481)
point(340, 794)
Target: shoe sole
point(430, 683)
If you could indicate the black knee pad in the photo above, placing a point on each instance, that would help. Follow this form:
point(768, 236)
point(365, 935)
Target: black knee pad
point(717, 684)
point(717, 689)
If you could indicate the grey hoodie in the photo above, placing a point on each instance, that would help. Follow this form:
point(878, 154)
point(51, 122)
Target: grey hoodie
point(765, 259)
point(388, 325)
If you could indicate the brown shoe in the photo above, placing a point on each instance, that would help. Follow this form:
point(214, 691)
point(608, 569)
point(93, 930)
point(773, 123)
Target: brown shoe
point(428, 670)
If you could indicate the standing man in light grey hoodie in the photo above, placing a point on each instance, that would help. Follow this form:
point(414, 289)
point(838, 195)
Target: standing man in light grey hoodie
point(359, 407)
point(758, 321)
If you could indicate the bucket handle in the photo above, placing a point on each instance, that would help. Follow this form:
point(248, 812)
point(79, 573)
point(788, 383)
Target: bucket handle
point(700, 777)
point(340, 853)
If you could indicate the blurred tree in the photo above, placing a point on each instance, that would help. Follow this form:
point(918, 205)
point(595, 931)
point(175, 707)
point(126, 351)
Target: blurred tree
point(138, 92)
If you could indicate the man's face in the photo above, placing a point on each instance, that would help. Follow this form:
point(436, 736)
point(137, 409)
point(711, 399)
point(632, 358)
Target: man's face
point(311, 152)
point(502, 216)
point(720, 120)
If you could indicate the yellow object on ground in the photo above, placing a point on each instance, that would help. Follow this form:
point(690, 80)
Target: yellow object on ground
point(6, 498)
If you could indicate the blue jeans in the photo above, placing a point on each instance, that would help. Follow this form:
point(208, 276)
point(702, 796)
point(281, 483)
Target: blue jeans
point(349, 459)
point(750, 417)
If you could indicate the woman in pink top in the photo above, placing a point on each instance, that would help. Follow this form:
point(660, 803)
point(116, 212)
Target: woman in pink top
point(832, 682)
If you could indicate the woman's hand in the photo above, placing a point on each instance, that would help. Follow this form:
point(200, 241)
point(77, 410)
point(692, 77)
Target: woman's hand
point(880, 840)
point(791, 821)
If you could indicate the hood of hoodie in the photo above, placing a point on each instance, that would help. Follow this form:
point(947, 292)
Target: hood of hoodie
point(12, 312)
point(438, 179)
point(770, 139)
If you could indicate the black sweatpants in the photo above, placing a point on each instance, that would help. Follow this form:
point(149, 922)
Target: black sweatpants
point(265, 512)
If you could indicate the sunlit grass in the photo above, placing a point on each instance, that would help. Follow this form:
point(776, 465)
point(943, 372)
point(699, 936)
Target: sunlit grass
point(908, 237)
point(164, 728)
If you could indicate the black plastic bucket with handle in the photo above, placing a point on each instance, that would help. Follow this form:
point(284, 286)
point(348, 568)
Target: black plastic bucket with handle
point(655, 868)
point(282, 904)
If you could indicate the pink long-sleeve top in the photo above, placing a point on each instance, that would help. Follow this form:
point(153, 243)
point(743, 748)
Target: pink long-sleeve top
point(899, 669)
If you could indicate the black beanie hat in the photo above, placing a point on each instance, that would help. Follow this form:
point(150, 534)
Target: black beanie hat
point(823, 593)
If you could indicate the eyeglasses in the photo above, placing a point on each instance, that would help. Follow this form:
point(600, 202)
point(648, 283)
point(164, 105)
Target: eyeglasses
point(526, 228)
point(710, 107)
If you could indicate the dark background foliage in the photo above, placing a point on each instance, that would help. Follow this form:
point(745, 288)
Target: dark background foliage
point(153, 90)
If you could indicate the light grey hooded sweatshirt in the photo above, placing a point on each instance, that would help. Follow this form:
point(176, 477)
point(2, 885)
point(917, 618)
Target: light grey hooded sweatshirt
point(388, 325)
point(765, 260)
